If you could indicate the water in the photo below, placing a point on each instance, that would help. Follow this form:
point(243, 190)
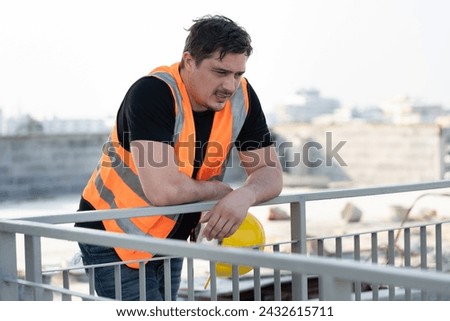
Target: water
point(42, 206)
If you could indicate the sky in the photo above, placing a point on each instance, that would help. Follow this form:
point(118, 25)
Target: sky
point(76, 59)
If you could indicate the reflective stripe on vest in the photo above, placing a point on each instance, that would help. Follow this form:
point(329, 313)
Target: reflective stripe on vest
point(115, 182)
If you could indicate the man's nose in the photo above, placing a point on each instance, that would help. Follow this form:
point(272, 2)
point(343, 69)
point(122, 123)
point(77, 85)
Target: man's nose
point(230, 83)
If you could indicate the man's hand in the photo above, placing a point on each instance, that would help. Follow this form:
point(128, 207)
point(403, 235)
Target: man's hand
point(226, 216)
point(264, 182)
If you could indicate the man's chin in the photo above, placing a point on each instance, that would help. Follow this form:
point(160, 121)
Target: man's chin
point(218, 106)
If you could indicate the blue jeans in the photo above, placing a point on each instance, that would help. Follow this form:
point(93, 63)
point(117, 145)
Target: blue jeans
point(154, 275)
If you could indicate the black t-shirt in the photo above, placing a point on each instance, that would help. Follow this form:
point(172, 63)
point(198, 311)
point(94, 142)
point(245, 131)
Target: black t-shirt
point(147, 112)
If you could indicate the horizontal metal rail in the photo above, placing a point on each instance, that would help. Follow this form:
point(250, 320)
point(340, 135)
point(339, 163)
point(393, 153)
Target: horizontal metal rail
point(337, 276)
point(87, 216)
point(334, 268)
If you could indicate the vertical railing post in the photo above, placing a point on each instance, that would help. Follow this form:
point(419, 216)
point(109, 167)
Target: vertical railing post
point(235, 282)
point(423, 255)
point(118, 282)
point(339, 251)
point(374, 250)
point(66, 285)
point(190, 279)
point(212, 281)
point(298, 236)
point(91, 278)
point(33, 265)
point(276, 277)
point(357, 257)
point(391, 260)
point(167, 280)
point(438, 252)
point(9, 291)
point(257, 283)
point(407, 259)
point(142, 281)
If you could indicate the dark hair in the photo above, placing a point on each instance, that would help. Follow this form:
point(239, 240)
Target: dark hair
point(211, 33)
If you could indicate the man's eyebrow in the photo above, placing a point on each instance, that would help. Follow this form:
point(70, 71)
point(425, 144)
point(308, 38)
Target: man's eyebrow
point(220, 69)
point(226, 70)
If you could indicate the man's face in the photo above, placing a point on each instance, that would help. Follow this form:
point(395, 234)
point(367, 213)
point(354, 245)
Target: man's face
point(212, 83)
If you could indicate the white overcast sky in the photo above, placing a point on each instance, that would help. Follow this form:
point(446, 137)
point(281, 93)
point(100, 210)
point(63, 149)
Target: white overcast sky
point(78, 58)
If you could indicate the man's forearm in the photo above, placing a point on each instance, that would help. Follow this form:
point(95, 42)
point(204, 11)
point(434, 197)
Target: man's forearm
point(166, 184)
point(262, 185)
point(265, 174)
point(186, 190)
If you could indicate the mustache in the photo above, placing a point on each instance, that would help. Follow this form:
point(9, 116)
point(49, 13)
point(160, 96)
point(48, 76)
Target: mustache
point(223, 92)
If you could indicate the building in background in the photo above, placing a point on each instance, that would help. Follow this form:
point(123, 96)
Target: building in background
point(403, 140)
point(406, 110)
point(2, 126)
point(304, 106)
point(24, 125)
point(72, 126)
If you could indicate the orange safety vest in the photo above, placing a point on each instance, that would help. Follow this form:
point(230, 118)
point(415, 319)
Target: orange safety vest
point(115, 182)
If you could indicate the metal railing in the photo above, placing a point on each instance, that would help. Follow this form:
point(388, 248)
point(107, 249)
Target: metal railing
point(338, 278)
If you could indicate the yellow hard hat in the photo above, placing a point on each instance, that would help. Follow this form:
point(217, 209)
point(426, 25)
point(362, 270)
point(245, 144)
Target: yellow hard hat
point(249, 234)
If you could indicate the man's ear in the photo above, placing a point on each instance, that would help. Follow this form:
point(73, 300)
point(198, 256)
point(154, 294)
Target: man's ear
point(189, 61)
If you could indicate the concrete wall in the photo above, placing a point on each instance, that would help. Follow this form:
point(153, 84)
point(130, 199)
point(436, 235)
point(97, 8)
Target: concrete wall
point(37, 166)
point(369, 154)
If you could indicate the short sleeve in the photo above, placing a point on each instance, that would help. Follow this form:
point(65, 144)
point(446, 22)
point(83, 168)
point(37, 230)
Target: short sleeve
point(255, 133)
point(148, 111)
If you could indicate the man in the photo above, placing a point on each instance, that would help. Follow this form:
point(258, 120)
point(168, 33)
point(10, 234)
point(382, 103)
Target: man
point(172, 138)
